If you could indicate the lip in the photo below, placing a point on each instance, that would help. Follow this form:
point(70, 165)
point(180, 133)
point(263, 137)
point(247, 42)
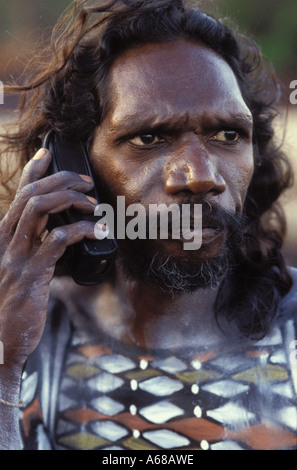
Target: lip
point(209, 234)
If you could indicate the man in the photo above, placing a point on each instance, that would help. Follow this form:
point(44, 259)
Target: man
point(176, 349)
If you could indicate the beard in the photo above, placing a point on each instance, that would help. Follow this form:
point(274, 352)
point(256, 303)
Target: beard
point(147, 261)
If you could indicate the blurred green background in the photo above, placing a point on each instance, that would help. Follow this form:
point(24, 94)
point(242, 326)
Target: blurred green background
point(272, 23)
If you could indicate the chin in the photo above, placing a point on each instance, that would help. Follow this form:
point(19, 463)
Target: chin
point(172, 269)
point(165, 264)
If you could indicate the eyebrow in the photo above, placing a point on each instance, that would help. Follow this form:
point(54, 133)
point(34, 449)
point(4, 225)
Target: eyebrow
point(236, 121)
point(135, 124)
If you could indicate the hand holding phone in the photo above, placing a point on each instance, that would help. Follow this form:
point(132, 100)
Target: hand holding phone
point(88, 261)
point(28, 259)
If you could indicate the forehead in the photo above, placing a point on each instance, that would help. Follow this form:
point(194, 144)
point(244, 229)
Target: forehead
point(166, 79)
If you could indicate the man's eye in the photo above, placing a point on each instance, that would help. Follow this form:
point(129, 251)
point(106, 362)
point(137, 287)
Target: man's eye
point(227, 136)
point(145, 140)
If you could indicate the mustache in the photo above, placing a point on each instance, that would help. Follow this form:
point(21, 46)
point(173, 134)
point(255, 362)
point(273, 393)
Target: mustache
point(234, 223)
point(213, 216)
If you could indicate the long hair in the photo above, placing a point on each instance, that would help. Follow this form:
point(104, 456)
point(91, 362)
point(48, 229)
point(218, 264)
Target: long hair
point(67, 92)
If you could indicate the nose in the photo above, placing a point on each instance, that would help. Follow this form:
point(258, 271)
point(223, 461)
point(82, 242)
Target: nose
point(191, 170)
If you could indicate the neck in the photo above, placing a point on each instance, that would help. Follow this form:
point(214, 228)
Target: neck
point(145, 315)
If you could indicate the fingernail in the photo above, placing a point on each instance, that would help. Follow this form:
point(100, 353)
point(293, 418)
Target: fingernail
point(40, 154)
point(93, 200)
point(86, 178)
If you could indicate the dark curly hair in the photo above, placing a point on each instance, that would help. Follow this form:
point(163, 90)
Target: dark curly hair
point(68, 93)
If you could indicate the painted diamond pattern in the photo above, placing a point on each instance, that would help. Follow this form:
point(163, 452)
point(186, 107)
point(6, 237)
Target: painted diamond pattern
point(115, 363)
point(226, 445)
point(230, 363)
point(109, 430)
point(105, 382)
point(100, 409)
point(166, 439)
point(161, 412)
point(279, 357)
point(161, 386)
point(171, 365)
point(265, 373)
point(107, 406)
point(283, 389)
point(82, 441)
point(81, 371)
point(231, 414)
point(226, 388)
point(66, 402)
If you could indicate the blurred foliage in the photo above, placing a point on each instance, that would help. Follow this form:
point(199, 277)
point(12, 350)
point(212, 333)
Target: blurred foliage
point(272, 23)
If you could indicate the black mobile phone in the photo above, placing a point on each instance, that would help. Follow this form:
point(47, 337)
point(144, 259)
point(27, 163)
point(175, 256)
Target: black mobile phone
point(88, 261)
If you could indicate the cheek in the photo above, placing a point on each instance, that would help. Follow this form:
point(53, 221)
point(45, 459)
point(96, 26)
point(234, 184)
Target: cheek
point(238, 176)
point(248, 170)
point(139, 181)
point(244, 172)
point(121, 177)
point(136, 178)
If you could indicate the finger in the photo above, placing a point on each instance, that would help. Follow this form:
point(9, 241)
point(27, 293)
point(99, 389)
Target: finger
point(35, 216)
point(59, 238)
point(35, 168)
point(57, 182)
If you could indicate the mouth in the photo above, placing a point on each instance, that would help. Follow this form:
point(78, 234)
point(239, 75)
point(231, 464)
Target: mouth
point(208, 234)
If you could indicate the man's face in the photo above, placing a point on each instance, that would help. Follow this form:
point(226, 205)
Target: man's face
point(177, 131)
